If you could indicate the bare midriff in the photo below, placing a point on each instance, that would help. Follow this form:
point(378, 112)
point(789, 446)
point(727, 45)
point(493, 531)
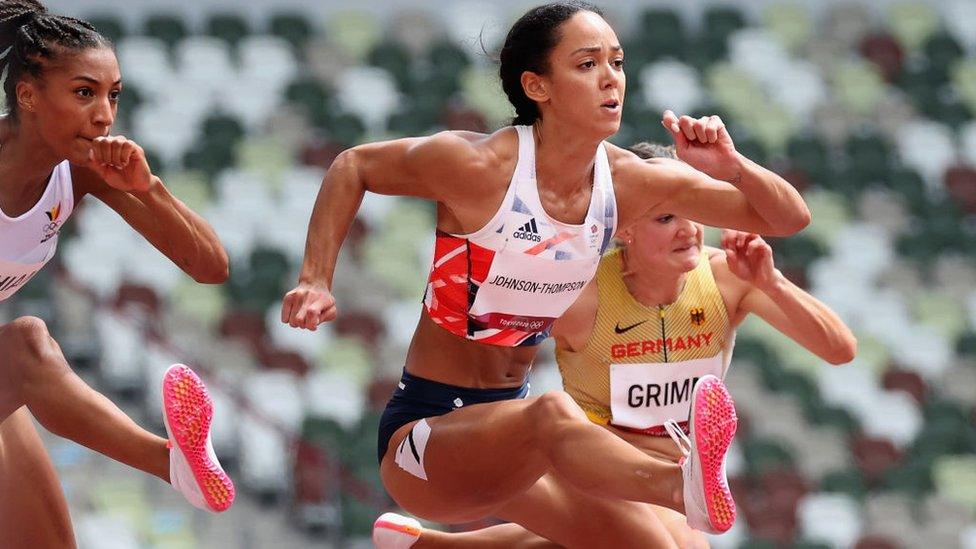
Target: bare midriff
point(441, 356)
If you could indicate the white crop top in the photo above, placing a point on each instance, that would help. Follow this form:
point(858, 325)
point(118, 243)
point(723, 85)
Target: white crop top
point(28, 241)
point(506, 283)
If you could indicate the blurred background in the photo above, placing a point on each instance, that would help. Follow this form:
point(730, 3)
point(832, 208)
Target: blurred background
point(867, 107)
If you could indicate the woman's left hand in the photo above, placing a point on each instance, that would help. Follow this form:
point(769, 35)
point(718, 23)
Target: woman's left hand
point(121, 163)
point(704, 144)
point(750, 258)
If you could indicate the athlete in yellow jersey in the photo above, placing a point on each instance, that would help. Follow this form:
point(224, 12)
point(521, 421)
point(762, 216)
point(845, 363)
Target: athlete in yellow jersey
point(660, 313)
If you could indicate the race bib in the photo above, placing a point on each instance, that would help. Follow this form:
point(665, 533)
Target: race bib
point(647, 395)
point(525, 292)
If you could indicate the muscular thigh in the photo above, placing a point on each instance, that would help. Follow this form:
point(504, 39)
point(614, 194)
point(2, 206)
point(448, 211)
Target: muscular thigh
point(33, 511)
point(557, 511)
point(476, 458)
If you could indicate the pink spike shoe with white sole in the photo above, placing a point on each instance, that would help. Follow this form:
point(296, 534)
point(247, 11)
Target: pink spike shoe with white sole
point(193, 467)
point(712, 422)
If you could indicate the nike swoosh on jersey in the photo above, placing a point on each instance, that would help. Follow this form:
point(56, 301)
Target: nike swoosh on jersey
point(620, 330)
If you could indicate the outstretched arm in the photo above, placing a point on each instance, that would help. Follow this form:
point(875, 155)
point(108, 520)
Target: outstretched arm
point(789, 309)
point(425, 167)
point(117, 174)
point(715, 184)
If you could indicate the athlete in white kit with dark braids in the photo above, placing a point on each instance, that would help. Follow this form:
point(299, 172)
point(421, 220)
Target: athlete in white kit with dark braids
point(62, 88)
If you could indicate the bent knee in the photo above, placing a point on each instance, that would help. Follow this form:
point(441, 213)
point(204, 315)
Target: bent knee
point(557, 406)
point(28, 334)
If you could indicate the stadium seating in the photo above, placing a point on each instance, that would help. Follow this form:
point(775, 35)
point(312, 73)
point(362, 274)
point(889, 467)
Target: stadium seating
point(868, 109)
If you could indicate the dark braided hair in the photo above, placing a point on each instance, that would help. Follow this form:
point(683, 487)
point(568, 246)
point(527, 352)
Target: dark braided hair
point(527, 48)
point(30, 37)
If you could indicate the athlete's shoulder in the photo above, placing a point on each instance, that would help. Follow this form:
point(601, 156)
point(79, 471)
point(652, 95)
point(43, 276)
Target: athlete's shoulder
point(476, 151)
point(625, 162)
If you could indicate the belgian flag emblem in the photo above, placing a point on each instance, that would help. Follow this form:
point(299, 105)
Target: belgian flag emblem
point(54, 213)
point(698, 316)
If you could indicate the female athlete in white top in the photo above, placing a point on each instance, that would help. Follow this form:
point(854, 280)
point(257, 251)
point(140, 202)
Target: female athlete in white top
point(62, 87)
point(443, 458)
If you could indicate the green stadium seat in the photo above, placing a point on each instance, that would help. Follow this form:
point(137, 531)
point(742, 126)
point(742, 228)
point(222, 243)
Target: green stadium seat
point(963, 75)
point(913, 478)
point(913, 22)
point(830, 416)
point(108, 25)
point(736, 92)
point(268, 157)
point(706, 50)
point(789, 23)
point(859, 86)
point(755, 149)
point(310, 96)
point(966, 344)
point(809, 153)
point(662, 34)
point(481, 89)
point(293, 27)
point(447, 57)
point(344, 127)
point(223, 129)
point(210, 157)
point(416, 120)
point(262, 283)
point(955, 479)
point(395, 58)
point(355, 32)
point(645, 124)
point(764, 455)
point(868, 157)
point(191, 188)
point(169, 28)
point(943, 50)
point(229, 27)
point(849, 481)
point(130, 101)
point(908, 184)
point(721, 21)
point(205, 303)
point(950, 110)
point(941, 311)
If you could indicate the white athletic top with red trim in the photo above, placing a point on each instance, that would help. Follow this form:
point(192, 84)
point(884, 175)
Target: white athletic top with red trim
point(28, 241)
point(506, 283)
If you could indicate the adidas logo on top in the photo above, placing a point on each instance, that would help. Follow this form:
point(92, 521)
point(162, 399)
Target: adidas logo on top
point(529, 231)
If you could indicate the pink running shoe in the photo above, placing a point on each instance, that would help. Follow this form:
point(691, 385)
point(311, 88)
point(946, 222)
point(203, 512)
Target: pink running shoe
point(393, 531)
point(709, 506)
point(193, 467)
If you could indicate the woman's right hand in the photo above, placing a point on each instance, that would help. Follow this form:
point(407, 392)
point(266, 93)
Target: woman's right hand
point(307, 306)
